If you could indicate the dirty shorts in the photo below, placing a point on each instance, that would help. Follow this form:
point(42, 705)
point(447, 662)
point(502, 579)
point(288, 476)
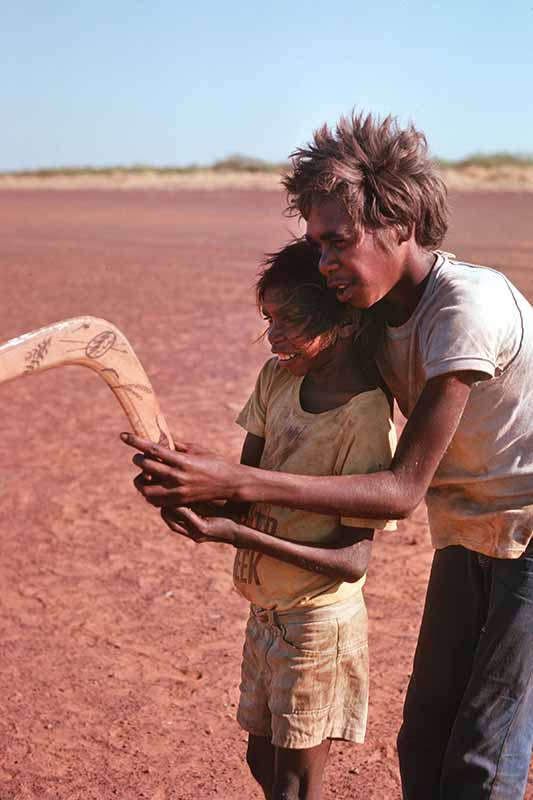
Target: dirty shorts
point(305, 674)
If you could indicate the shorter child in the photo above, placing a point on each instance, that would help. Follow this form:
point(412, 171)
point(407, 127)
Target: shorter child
point(315, 410)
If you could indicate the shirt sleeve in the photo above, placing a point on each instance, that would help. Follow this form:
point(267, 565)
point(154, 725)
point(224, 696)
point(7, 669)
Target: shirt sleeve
point(369, 448)
point(253, 416)
point(474, 324)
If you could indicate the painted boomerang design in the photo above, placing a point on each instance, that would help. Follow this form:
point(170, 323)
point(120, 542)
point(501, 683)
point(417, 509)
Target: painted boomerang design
point(101, 346)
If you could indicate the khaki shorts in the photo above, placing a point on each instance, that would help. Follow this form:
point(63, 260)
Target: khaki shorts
point(305, 674)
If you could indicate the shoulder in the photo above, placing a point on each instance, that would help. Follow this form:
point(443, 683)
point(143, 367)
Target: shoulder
point(368, 437)
point(469, 320)
point(370, 407)
point(273, 376)
point(469, 300)
point(463, 283)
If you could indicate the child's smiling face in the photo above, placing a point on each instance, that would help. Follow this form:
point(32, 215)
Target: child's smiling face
point(296, 348)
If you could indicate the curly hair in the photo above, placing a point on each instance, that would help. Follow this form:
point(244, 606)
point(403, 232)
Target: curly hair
point(381, 173)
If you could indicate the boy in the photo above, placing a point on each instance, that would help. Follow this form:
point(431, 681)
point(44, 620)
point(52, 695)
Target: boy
point(457, 353)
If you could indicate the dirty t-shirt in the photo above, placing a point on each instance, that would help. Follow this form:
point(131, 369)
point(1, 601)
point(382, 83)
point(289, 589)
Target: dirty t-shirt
point(473, 318)
point(357, 437)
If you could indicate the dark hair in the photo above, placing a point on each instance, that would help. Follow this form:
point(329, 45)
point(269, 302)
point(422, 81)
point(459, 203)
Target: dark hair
point(309, 303)
point(381, 173)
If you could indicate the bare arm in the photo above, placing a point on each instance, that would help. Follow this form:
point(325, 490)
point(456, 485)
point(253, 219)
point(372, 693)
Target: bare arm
point(391, 493)
point(252, 450)
point(346, 560)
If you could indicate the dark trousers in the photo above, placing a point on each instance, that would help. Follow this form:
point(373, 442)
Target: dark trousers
point(467, 732)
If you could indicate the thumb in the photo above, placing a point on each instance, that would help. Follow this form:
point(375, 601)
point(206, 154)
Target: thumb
point(190, 516)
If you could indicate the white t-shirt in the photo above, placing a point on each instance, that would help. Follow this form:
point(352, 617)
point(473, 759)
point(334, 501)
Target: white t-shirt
point(473, 318)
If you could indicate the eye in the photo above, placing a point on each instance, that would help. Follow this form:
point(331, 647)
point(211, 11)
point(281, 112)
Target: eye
point(312, 243)
point(340, 243)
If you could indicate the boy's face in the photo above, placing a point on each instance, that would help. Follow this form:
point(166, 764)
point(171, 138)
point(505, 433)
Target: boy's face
point(297, 352)
point(362, 272)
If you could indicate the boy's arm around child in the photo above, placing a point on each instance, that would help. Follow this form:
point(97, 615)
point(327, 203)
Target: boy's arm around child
point(345, 559)
point(187, 477)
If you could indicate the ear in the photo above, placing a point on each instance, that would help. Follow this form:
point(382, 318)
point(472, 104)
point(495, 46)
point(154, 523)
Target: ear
point(404, 234)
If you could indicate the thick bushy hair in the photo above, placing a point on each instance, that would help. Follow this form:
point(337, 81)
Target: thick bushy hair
point(381, 173)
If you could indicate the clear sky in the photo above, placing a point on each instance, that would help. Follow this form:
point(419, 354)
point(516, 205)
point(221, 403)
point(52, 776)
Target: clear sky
point(167, 82)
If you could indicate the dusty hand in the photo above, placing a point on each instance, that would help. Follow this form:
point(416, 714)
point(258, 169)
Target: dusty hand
point(189, 474)
point(188, 523)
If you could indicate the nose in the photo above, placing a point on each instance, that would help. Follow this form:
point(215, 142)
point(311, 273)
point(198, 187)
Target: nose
point(275, 333)
point(327, 262)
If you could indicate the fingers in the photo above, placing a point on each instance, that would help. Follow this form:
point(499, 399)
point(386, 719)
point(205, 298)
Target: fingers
point(158, 495)
point(175, 527)
point(154, 450)
point(192, 519)
point(156, 469)
point(182, 515)
point(172, 518)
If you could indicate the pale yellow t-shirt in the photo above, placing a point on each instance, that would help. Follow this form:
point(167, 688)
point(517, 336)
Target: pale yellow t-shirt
point(357, 437)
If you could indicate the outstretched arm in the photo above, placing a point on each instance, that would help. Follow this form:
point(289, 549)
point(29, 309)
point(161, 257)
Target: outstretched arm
point(346, 559)
point(185, 477)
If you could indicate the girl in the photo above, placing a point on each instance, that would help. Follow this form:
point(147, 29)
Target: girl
point(316, 409)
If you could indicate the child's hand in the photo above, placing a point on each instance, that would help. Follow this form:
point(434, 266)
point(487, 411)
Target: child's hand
point(188, 523)
point(177, 525)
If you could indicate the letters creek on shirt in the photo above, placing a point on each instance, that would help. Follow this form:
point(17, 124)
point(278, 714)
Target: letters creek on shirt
point(246, 561)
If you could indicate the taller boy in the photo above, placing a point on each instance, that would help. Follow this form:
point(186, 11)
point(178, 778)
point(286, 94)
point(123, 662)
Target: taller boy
point(457, 353)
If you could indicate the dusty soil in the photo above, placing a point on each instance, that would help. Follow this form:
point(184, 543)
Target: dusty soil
point(120, 643)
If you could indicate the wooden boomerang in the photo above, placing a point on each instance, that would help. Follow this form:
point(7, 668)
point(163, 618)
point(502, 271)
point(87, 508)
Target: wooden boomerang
point(101, 346)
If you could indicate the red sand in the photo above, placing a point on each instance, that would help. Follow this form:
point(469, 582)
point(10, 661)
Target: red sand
point(120, 643)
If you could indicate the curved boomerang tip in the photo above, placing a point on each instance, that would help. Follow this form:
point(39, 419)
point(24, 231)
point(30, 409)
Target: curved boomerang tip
point(101, 346)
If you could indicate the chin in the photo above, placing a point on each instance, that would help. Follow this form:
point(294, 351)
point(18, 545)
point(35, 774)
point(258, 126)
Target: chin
point(361, 302)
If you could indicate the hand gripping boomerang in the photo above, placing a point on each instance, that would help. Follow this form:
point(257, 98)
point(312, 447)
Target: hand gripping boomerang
point(101, 346)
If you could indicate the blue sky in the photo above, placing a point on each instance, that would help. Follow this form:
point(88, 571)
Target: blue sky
point(172, 83)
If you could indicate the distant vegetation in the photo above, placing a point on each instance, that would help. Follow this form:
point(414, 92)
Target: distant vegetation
point(489, 160)
point(239, 163)
point(233, 163)
point(248, 164)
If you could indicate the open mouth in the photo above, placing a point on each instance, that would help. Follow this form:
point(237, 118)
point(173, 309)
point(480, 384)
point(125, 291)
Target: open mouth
point(284, 357)
point(342, 289)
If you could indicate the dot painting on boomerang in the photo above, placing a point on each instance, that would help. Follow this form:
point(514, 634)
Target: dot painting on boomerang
point(101, 346)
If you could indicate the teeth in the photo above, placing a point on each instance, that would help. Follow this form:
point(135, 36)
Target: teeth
point(286, 356)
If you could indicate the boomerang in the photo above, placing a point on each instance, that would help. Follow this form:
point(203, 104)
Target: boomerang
point(101, 346)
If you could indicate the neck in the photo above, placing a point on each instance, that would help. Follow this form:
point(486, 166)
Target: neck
point(402, 300)
point(337, 366)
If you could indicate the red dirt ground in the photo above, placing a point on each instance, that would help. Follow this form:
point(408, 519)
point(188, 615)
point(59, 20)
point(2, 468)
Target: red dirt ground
point(120, 643)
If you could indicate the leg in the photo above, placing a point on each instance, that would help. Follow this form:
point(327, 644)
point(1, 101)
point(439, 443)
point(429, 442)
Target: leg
point(451, 625)
point(490, 746)
point(299, 773)
point(260, 757)
point(253, 713)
